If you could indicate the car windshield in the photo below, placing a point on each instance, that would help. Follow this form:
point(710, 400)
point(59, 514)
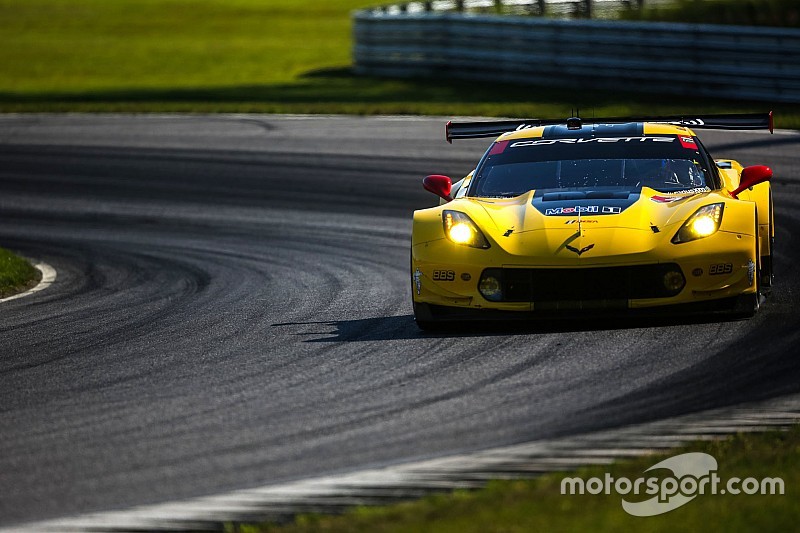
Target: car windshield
point(666, 163)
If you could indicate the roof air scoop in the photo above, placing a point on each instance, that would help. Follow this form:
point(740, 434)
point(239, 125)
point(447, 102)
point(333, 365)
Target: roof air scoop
point(574, 123)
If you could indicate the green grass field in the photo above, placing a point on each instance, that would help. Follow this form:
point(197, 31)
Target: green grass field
point(80, 46)
point(275, 56)
point(537, 505)
point(16, 274)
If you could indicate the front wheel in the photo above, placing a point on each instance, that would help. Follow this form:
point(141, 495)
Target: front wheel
point(747, 305)
point(766, 261)
point(424, 318)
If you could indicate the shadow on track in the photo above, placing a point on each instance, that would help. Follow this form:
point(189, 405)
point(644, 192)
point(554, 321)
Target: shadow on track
point(403, 327)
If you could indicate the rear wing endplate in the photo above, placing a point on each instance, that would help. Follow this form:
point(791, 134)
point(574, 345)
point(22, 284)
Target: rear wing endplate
point(735, 121)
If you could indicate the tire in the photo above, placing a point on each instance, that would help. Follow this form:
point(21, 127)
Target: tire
point(424, 318)
point(767, 273)
point(748, 304)
point(422, 313)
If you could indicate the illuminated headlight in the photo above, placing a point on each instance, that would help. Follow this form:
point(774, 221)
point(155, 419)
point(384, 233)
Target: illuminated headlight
point(460, 229)
point(461, 233)
point(704, 222)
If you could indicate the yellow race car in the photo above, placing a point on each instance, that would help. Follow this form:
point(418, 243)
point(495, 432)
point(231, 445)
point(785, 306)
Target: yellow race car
point(617, 214)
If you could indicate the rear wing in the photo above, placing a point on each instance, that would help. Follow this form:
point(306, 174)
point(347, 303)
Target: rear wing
point(736, 121)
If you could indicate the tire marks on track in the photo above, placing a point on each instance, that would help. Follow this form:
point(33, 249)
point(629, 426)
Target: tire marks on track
point(234, 313)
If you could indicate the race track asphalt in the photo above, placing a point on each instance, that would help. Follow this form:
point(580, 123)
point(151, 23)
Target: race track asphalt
point(232, 309)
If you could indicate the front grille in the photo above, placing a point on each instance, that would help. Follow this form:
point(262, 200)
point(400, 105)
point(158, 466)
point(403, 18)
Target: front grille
point(583, 284)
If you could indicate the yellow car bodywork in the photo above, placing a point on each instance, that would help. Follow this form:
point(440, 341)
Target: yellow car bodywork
point(445, 275)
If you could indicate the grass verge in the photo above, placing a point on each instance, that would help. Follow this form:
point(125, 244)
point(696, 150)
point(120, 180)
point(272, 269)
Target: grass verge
point(281, 56)
point(537, 504)
point(16, 274)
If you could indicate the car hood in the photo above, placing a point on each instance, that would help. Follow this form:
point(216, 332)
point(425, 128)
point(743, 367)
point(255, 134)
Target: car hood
point(586, 226)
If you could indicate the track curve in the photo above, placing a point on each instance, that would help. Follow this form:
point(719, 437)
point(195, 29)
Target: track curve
point(232, 310)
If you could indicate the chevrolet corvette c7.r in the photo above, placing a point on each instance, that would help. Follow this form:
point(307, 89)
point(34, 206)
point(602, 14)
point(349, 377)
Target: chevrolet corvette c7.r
point(565, 217)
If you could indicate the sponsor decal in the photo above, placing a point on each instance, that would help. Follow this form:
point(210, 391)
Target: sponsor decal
point(697, 272)
point(582, 221)
point(686, 122)
point(667, 199)
point(696, 190)
point(687, 142)
point(682, 122)
point(508, 232)
point(465, 276)
point(572, 210)
point(599, 140)
point(418, 280)
point(581, 251)
point(576, 207)
point(720, 269)
point(444, 275)
point(498, 147)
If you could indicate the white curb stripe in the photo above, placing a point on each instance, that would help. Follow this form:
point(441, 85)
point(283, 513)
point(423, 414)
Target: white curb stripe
point(48, 278)
point(333, 494)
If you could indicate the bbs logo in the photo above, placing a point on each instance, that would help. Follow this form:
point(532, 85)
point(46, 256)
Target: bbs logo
point(720, 268)
point(444, 275)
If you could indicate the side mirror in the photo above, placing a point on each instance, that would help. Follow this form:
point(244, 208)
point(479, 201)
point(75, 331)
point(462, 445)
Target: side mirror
point(752, 176)
point(439, 185)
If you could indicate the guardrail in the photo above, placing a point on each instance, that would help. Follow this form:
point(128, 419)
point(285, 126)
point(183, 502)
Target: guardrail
point(733, 62)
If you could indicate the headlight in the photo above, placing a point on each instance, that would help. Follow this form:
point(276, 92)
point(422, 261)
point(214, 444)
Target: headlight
point(704, 222)
point(460, 229)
